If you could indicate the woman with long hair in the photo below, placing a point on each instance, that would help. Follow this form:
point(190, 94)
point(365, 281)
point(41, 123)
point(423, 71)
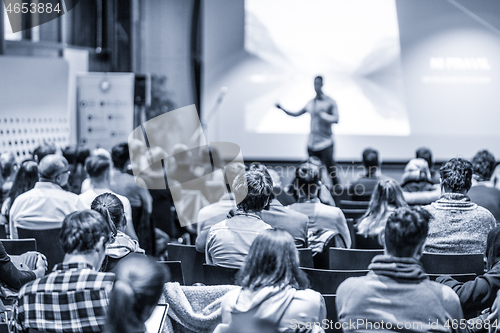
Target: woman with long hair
point(387, 197)
point(273, 287)
point(121, 245)
point(137, 289)
point(25, 180)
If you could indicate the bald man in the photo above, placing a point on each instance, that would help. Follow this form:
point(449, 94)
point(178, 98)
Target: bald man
point(46, 205)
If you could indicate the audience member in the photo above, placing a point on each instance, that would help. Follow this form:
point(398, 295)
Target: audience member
point(363, 187)
point(397, 292)
point(426, 154)
point(325, 222)
point(98, 169)
point(386, 198)
point(228, 241)
point(8, 168)
point(416, 176)
point(214, 213)
point(121, 244)
point(43, 150)
point(273, 287)
point(279, 217)
point(482, 191)
point(86, 184)
point(46, 205)
point(136, 192)
point(26, 178)
point(290, 194)
point(480, 294)
point(459, 225)
point(15, 278)
point(74, 297)
point(137, 289)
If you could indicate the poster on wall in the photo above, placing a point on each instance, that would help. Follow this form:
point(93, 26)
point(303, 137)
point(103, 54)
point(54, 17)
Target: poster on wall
point(105, 104)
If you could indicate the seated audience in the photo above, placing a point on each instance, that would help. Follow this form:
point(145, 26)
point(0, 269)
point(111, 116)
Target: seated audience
point(26, 178)
point(290, 194)
point(386, 198)
point(8, 168)
point(137, 289)
point(228, 241)
point(46, 205)
point(495, 179)
point(417, 186)
point(273, 287)
point(121, 244)
point(15, 278)
point(397, 291)
point(136, 192)
point(325, 222)
point(56, 302)
point(86, 183)
point(416, 176)
point(43, 150)
point(426, 154)
point(363, 187)
point(459, 225)
point(214, 213)
point(98, 169)
point(480, 294)
point(482, 191)
point(279, 217)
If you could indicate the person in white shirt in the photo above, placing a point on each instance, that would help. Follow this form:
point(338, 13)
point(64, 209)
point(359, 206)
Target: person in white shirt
point(46, 205)
point(98, 169)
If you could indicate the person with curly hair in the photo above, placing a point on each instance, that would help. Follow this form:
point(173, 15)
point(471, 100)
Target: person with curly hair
point(482, 191)
point(459, 225)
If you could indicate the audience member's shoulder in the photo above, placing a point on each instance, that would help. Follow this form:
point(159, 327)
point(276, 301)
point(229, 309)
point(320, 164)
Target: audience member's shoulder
point(350, 285)
point(308, 294)
point(443, 293)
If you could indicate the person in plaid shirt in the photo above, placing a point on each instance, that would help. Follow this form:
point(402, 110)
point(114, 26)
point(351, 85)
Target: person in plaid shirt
point(74, 297)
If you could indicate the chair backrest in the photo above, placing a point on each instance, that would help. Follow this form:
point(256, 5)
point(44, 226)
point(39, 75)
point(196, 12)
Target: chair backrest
point(306, 258)
point(453, 263)
point(351, 259)
point(331, 313)
point(191, 260)
point(459, 277)
point(218, 275)
point(348, 204)
point(322, 260)
point(175, 269)
point(16, 247)
point(352, 232)
point(327, 281)
point(353, 213)
point(366, 243)
point(3, 232)
point(47, 243)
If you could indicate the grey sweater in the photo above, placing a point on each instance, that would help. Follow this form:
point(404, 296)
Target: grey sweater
point(459, 225)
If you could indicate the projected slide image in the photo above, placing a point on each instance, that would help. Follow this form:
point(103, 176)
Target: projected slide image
point(353, 44)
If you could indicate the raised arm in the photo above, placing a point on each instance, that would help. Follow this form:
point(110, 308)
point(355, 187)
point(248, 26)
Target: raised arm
point(332, 114)
point(293, 114)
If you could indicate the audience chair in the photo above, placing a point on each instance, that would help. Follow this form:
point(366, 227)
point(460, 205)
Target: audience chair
point(453, 263)
point(218, 275)
point(351, 259)
point(3, 232)
point(327, 281)
point(351, 224)
point(191, 260)
point(16, 247)
point(353, 213)
point(175, 268)
point(47, 242)
point(459, 277)
point(322, 259)
point(367, 243)
point(306, 258)
point(331, 313)
point(348, 204)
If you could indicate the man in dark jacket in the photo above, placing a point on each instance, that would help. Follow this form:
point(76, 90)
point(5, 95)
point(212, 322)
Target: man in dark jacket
point(480, 294)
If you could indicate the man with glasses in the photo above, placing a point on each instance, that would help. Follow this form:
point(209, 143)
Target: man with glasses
point(46, 205)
